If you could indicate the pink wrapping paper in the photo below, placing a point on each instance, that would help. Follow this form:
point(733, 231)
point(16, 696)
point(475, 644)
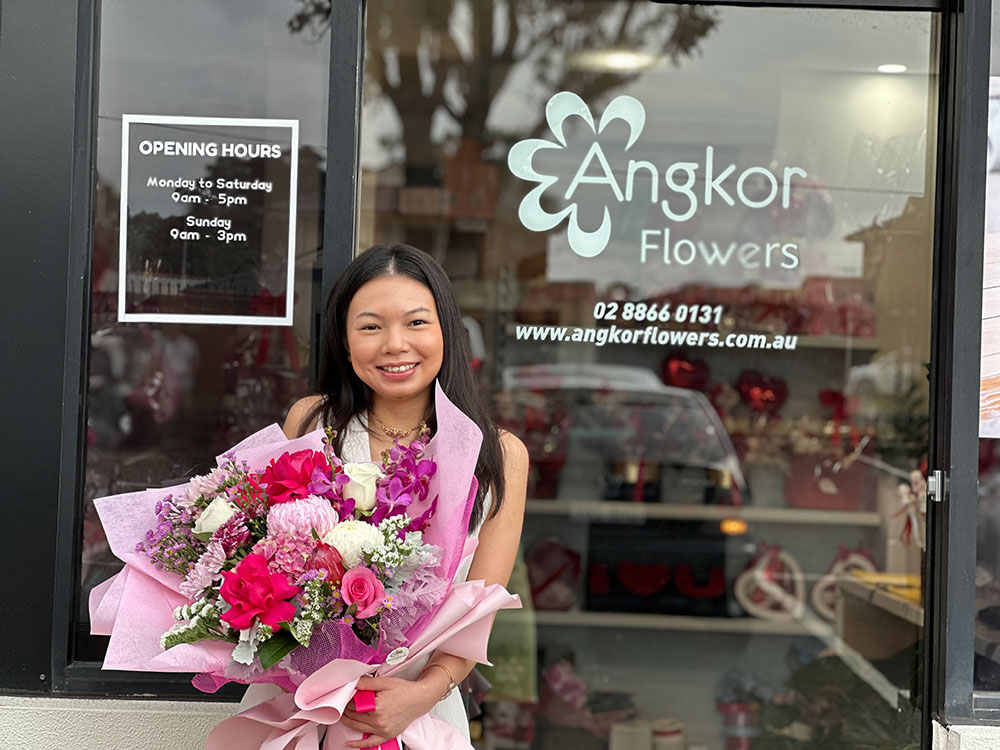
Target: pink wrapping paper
point(136, 606)
point(289, 721)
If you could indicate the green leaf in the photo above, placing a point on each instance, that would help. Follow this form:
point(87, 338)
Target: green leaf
point(275, 648)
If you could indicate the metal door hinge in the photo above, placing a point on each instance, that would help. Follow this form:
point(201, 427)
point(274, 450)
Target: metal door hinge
point(937, 485)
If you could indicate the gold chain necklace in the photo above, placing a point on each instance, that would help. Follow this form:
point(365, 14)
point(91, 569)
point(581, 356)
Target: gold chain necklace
point(393, 432)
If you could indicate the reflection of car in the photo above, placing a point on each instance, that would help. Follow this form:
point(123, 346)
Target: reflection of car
point(619, 429)
point(617, 433)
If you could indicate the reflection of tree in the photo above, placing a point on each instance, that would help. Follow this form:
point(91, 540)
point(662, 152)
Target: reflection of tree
point(435, 58)
point(149, 234)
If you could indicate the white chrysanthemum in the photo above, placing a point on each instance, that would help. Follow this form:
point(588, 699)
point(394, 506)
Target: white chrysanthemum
point(351, 538)
point(302, 517)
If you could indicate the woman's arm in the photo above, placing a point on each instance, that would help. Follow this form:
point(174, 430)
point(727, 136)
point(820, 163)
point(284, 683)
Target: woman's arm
point(398, 703)
point(499, 538)
point(297, 415)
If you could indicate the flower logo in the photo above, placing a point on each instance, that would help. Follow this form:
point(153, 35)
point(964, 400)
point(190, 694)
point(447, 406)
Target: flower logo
point(519, 160)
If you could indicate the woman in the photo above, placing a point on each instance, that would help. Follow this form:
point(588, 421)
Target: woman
point(392, 328)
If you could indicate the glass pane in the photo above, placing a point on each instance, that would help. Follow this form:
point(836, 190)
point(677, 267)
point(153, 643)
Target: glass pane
point(169, 391)
point(987, 638)
point(693, 247)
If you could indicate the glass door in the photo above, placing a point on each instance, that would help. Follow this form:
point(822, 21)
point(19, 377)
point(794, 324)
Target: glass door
point(205, 272)
point(694, 249)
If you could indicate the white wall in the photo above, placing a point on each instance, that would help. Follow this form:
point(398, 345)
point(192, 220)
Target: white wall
point(966, 738)
point(45, 723)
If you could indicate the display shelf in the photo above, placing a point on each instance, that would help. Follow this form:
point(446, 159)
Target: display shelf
point(884, 596)
point(839, 342)
point(625, 512)
point(807, 624)
point(636, 621)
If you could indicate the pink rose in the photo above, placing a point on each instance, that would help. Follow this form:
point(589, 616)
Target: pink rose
point(360, 586)
point(326, 557)
point(254, 593)
point(287, 478)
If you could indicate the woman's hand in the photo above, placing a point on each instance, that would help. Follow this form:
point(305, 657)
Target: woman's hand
point(397, 704)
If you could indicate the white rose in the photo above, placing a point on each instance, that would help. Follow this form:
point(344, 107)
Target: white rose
point(361, 488)
point(217, 513)
point(351, 538)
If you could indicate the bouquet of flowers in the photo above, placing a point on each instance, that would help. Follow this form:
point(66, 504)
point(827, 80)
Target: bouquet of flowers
point(288, 566)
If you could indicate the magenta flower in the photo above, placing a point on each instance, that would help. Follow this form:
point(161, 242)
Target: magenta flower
point(254, 593)
point(407, 480)
point(288, 477)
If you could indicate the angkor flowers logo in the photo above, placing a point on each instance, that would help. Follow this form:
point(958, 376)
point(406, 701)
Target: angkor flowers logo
point(531, 213)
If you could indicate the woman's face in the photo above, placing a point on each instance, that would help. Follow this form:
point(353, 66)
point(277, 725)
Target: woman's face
point(394, 337)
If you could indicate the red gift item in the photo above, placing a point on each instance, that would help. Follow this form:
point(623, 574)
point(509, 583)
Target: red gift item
point(762, 393)
point(681, 372)
point(816, 482)
point(643, 579)
point(553, 571)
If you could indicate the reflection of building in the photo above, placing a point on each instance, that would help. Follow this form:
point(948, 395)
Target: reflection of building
point(891, 249)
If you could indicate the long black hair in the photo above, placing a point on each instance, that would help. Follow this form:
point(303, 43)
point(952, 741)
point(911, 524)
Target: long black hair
point(345, 395)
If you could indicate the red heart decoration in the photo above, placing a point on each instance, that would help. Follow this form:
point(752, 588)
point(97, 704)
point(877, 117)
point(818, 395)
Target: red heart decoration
point(762, 393)
point(681, 372)
point(643, 579)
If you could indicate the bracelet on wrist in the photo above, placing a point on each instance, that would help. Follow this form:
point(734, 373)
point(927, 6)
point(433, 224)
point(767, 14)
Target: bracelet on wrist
point(451, 680)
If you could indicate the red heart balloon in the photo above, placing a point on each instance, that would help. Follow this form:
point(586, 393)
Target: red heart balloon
point(643, 579)
point(681, 372)
point(762, 393)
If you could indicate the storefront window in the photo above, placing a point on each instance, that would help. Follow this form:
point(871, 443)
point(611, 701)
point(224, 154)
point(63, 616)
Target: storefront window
point(693, 246)
point(203, 309)
point(987, 625)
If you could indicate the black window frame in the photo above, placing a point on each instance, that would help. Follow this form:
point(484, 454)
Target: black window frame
point(48, 94)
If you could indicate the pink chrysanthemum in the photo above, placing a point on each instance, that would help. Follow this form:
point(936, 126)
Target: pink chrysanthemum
point(206, 572)
point(302, 517)
point(286, 553)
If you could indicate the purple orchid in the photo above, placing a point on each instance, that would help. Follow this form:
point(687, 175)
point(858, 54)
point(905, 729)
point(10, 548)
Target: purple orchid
point(421, 522)
point(392, 497)
point(324, 483)
point(406, 481)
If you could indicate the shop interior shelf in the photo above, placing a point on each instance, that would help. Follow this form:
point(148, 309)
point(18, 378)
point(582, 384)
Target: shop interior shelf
point(833, 341)
point(807, 624)
point(632, 620)
point(884, 597)
point(612, 511)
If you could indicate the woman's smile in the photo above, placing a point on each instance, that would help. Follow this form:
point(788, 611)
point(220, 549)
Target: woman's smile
point(398, 372)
